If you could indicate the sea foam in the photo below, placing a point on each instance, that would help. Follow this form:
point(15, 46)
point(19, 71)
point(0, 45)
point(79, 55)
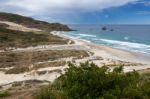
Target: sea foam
point(128, 45)
point(86, 35)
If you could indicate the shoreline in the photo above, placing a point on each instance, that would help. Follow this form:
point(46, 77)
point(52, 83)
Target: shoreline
point(109, 52)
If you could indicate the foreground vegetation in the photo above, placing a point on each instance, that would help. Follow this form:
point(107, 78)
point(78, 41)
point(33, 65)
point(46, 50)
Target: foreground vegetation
point(88, 81)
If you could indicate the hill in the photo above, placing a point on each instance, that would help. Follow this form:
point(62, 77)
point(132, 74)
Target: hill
point(18, 31)
point(32, 23)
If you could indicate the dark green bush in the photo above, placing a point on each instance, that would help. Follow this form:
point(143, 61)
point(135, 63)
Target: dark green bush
point(4, 94)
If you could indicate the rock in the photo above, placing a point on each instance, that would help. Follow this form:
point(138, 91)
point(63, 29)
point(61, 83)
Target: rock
point(111, 29)
point(104, 28)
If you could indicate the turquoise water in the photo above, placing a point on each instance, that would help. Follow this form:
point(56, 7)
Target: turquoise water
point(128, 37)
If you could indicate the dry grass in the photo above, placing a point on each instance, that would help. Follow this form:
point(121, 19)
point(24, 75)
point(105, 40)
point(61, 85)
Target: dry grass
point(49, 71)
point(49, 64)
point(21, 62)
point(17, 70)
point(8, 59)
point(22, 69)
point(23, 89)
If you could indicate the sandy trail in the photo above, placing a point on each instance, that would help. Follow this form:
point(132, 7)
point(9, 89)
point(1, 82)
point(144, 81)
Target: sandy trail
point(14, 26)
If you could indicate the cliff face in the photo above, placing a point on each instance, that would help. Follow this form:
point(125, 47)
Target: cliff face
point(32, 23)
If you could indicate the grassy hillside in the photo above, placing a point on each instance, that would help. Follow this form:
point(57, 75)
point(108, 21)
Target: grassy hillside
point(30, 22)
point(13, 38)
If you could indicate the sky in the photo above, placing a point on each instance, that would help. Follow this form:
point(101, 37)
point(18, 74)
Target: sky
point(82, 11)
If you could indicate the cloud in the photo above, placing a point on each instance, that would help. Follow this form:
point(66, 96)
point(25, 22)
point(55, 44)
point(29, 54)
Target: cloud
point(33, 7)
point(66, 11)
point(143, 12)
point(145, 2)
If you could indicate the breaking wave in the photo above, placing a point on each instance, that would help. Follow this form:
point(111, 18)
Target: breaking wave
point(128, 45)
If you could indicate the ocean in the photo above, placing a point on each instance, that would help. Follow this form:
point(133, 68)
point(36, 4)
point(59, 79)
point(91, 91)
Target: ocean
point(134, 38)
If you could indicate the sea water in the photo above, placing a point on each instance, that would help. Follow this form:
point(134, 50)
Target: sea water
point(134, 38)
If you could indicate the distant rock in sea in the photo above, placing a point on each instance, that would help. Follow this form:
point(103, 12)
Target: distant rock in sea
point(104, 28)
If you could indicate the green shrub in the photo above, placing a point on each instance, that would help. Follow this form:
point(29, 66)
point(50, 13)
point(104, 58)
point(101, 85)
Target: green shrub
point(88, 81)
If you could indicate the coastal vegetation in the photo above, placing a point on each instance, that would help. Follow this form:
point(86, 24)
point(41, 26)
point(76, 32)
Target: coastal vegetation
point(88, 81)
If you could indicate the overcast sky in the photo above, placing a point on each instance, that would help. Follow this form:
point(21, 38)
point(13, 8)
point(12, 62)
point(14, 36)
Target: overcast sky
point(82, 11)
